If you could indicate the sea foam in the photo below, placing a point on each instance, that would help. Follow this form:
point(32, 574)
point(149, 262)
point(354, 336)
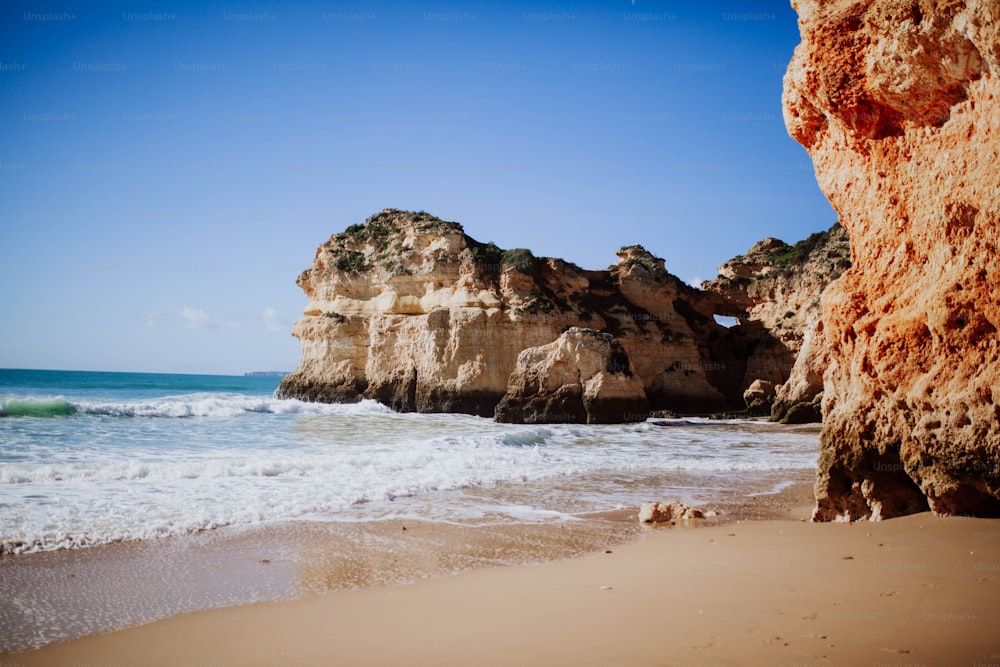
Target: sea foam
point(100, 466)
point(189, 405)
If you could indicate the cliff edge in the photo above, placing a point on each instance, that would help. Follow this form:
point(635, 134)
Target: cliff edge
point(896, 102)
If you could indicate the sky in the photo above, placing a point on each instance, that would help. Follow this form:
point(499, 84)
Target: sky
point(167, 169)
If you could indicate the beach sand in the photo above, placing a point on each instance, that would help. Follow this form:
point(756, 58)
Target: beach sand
point(919, 590)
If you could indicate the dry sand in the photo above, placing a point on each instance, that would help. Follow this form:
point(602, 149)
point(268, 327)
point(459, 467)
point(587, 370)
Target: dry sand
point(919, 590)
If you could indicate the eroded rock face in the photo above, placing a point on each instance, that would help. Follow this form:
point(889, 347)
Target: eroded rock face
point(780, 285)
point(408, 310)
point(666, 512)
point(774, 292)
point(800, 399)
point(897, 103)
point(759, 397)
point(583, 376)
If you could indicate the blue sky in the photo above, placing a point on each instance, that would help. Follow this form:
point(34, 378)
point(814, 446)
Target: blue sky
point(167, 169)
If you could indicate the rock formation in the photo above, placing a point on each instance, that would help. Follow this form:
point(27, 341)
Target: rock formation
point(759, 396)
point(581, 377)
point(774, 292)
point(800, 399)
point(408, 310)
point(665, 512)
point(897, 103)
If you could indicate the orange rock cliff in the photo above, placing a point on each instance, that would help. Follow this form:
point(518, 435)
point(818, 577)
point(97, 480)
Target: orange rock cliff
point(897, 104)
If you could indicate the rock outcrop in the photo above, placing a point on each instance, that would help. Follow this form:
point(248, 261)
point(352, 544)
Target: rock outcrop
point(668, 512)
point(583, 376)
point(759, 396)
point(774, 292)
point(779, 285)
point(800, 399)
point(408, 310)
point(897, 103)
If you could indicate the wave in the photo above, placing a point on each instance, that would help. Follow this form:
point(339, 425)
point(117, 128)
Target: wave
point(112, 499)
point(189, 405)
point(528, 438)
point(36, 407)
point(132, 468)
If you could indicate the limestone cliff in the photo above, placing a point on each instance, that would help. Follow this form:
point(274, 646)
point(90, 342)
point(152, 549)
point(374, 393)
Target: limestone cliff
point(779, 285)
point(774, 290)
point(897, 103)
point(409, 310)
point(800, 399)
point(583, 376)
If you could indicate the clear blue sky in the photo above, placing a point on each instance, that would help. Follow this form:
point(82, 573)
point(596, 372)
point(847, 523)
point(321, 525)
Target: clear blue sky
point(167, 169)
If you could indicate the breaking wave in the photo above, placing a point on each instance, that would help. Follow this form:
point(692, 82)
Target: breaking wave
point(189, 405)
point(36, 407)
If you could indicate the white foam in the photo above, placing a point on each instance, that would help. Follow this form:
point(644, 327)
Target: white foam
point(222, 406)
point(246, 460)
point(774, 490)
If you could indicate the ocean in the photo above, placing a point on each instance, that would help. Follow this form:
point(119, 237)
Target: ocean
point(91, 458)
point(130, 497)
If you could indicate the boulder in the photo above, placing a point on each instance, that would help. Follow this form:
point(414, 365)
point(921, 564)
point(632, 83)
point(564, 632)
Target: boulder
point(668, 512)
point(759, 396)
point(583, 376)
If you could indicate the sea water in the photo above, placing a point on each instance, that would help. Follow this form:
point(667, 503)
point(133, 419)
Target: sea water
point(126, 498)
point(90, 458)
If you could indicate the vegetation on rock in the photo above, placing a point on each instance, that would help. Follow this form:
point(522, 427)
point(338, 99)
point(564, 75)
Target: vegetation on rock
point(409, 288)
point(802, 252)
point(520, 259)
point(350, 261)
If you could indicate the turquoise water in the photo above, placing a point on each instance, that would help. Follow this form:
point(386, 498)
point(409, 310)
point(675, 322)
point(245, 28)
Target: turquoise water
point(90, 458)
point(33, 387)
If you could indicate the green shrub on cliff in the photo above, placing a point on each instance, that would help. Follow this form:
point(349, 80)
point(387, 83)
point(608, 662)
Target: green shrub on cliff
point(379, 230)
point(520, 259)
point(350, 261)
point(428, 222)
point(801, 251)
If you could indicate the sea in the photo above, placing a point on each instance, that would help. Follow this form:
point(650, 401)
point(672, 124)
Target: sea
point(89, 460)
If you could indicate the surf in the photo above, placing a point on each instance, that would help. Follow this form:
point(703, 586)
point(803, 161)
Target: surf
point(36, 407)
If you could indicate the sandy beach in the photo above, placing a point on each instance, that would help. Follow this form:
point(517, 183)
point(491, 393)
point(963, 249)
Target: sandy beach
point(366, 334)
point(918, 590)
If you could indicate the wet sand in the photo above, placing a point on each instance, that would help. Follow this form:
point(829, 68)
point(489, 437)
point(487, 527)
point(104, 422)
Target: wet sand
point(61, 595)
point(919, 590)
